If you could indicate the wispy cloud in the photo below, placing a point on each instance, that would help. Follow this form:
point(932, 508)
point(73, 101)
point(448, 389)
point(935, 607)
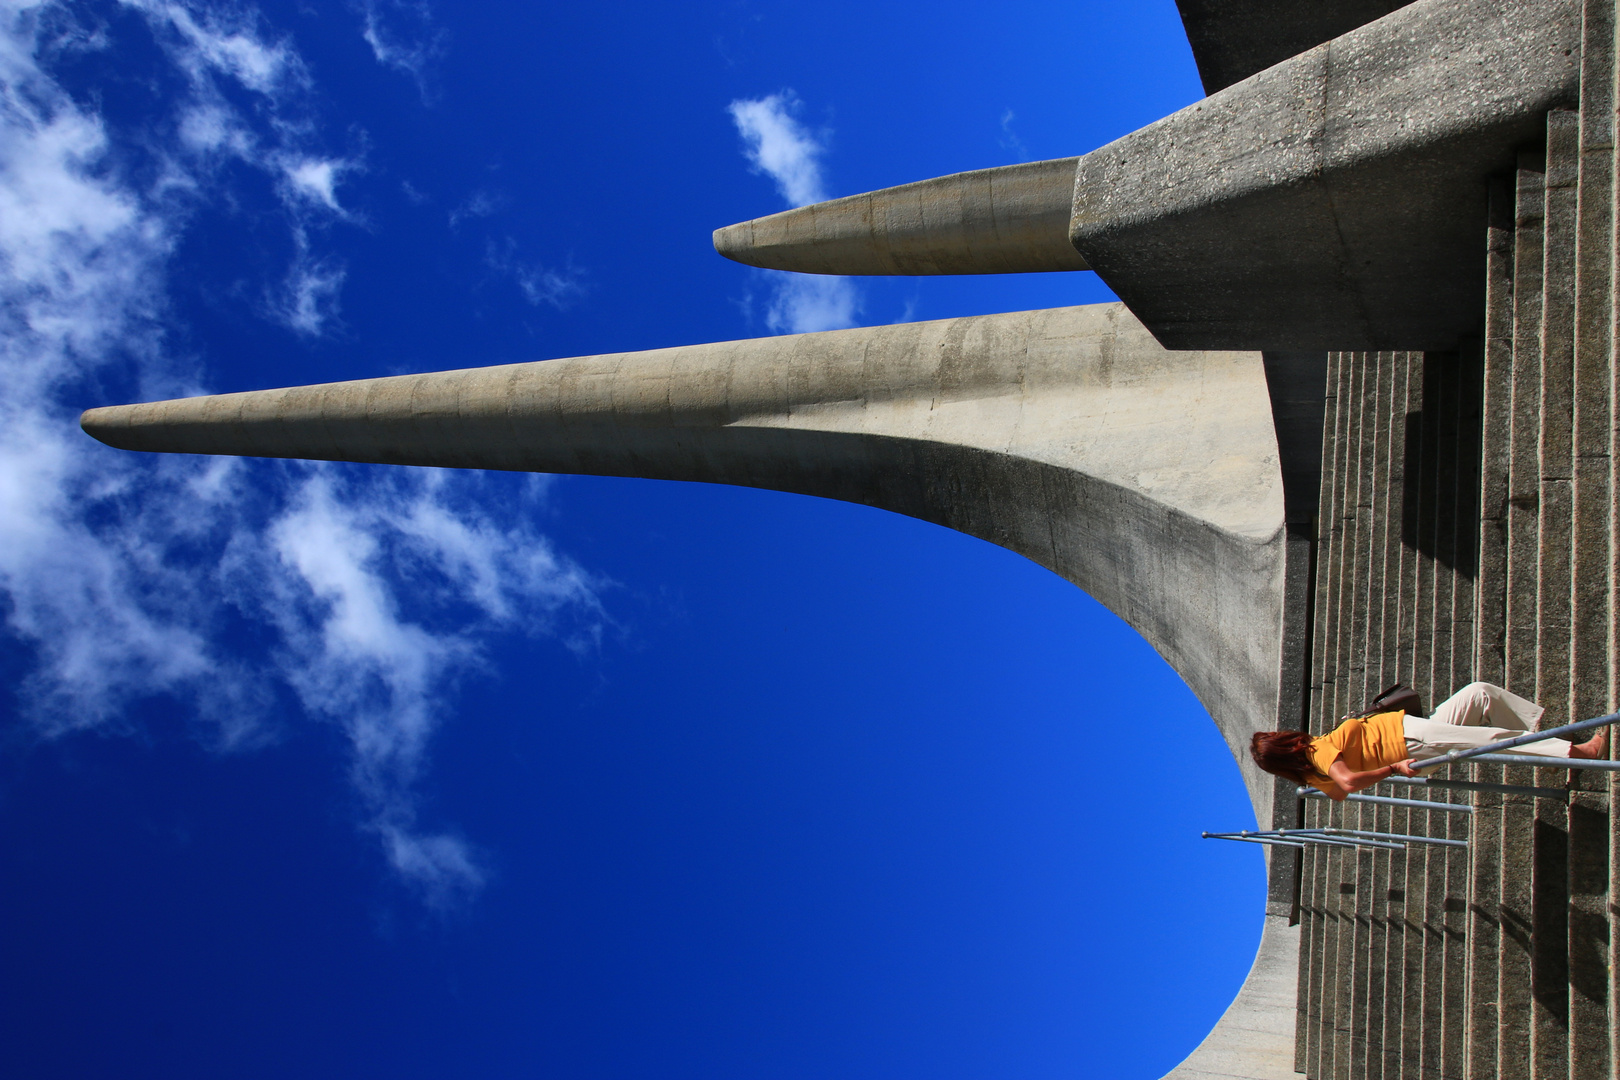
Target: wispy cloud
point(480, 204)
point(403, 35)
point(1009, 138)
point(777, 145)
point(328, 571)
point(558, 288)
point(307, 299)
point(804, 304)
point(374, 590)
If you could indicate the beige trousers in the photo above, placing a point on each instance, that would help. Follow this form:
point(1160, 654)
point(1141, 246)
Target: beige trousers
point(1459, 723)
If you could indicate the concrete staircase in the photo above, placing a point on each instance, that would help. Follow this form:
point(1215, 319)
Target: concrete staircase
point(1467, 531)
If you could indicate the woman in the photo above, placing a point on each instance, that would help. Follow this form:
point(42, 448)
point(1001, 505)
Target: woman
point(1360, 752)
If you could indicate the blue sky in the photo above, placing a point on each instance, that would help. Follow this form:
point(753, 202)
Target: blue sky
point(334, 770)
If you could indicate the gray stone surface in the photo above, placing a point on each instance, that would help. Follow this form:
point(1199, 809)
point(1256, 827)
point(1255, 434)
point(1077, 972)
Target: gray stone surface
point(1255, 1036)
point(1232, 40)
point(1147, 478)
point(1336, 200)
point(1009, 220)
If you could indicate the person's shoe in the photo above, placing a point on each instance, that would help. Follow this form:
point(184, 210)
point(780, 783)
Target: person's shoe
point(1593, 747)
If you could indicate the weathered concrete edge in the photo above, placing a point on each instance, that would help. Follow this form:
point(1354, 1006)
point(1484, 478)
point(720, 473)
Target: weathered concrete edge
point(1254, 1038)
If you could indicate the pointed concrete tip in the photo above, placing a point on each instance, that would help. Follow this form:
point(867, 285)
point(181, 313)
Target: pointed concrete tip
point(1009, 220)
point(113, 424)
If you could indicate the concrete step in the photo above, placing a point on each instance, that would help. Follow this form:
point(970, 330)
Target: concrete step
point(1467, 531)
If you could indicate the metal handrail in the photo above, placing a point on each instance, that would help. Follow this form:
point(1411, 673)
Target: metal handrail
point(1307, 792)
point(1348, 836)
point(1492, 749)
point(1305, 836)
point(1561, 794)
point(1540, 762)
point(1254, 840)
point(1382, 836)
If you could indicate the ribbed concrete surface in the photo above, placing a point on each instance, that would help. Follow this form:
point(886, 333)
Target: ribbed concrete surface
point(1468, 530)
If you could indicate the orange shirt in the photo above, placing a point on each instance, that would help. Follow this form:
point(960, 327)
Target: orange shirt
point(1363, 744)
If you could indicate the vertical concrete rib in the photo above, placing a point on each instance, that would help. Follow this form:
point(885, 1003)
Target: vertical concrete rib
point(1382, 888)
point(1484, 927)
point(1324, 936)
point(1418, 527)
point(1455, 907)
point(1407, 635)
point(1524, 473)
point(1550, 978)
point(1368, 511)
point(1412, 635)
point(1313, 950)
point(1549, 884)
point(1442, 400)
point(1496, 421)
point(1490, 608)
point(1557, 406)
point(1588, 929)
point(1516, 1004)
point(1600, 171)
point(1591, 588)
point(1308, 1011)
point(1395, 948)
point(1592, 594)
point(1468, 392)
point(1330, 543)
point(1381, 623)
point(1348, 976)
point(1431, 586)
point(1402, 945)
point(1451, 476)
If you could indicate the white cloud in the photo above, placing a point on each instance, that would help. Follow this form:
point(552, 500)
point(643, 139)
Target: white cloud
point(1009, 138)
point(804, 304)
point(222, 52)
point(777, 145)
point(227, 41)
point(118, 571)
point(316, 179)
point(307, 301)
point(540, 284)
point(402, 35)
point(327, 573)
point(480, 203)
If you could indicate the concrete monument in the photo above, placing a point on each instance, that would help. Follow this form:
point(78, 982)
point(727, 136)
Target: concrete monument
point(1177, 455)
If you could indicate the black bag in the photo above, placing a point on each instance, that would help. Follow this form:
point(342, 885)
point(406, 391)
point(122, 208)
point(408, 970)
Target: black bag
point(1398, 698)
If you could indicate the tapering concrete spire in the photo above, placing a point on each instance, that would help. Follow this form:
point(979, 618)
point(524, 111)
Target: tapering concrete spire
point(1329, 202)
point(1147, 478)
point(1010, 220)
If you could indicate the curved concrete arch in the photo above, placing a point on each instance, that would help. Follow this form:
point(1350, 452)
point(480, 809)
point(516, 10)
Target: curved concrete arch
point(1146, 477)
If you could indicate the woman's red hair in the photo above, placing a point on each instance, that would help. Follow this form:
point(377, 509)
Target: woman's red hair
point(1283, 753)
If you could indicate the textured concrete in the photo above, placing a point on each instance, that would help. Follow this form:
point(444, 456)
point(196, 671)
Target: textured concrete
point(1147, 478)
point(1254, 1038)
point(1233, 40)
point(1336, 200)
point(1009, 220)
